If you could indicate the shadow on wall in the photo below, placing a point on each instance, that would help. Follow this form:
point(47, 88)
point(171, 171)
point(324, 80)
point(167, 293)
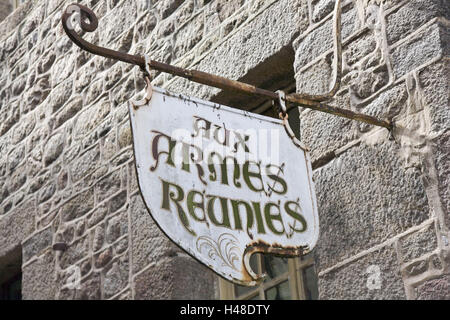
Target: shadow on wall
point(11, 275)
point(275, 73)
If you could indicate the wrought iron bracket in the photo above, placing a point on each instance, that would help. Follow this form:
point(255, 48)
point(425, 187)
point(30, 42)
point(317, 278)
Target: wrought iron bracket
point(89, 22)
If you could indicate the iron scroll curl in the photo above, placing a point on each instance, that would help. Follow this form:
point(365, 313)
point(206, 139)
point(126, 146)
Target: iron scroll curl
point(90, 26)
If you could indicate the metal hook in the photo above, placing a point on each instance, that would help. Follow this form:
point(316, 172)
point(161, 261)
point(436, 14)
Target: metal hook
point(85, 12)
point(283, 113)
point(149, 90)
point(282, 104)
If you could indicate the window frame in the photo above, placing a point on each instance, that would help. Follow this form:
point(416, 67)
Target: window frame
point(294, 275)
point(296, 266)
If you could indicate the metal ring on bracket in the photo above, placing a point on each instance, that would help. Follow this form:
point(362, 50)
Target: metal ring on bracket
point(148, 89)
point(284, 116)
point(282, 103)
point(147, 64)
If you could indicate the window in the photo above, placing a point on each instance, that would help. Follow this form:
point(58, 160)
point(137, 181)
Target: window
point(287, 279)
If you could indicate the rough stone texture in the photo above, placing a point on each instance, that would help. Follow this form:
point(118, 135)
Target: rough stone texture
point(39, 278)
point(435, 289)
point(77, 206)
point(5, 9)
point(180, 280)
point(375, 200)
point(149, 245)
point(413, 15)
point(360, 48)
point(66, 160)
point(320, 40)
point(389, 103)
point(75, 253)
point(422, 48)
point(353, 281)
point(91, 288)
point(435, 87)
point(442, 151)
point(321, 8)
point(117, 277)
point(416, 268)
point(419, 243)
point(316, 79)
point(257, 41)
point(324, 133)
point(37, 243)
point(16, 226)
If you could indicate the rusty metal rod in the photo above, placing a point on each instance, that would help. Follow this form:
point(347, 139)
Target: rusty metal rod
point(306, 101)
point(345, 113)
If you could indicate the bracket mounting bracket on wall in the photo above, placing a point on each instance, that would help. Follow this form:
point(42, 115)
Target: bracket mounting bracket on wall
point(89, 22)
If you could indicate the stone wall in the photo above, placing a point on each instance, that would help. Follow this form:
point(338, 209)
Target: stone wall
point(382, 198)
point(5, 9)
point(66, 163)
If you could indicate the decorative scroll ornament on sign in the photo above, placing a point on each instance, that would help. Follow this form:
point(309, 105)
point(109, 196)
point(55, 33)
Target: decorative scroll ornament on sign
point(223, 183)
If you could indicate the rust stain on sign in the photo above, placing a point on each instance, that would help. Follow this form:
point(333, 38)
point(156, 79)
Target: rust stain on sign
point(223, 183)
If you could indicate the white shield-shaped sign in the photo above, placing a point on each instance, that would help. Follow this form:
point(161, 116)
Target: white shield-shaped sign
point(223, 183)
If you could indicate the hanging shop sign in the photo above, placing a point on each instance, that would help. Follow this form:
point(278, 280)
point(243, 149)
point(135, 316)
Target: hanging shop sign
point(223, 183)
